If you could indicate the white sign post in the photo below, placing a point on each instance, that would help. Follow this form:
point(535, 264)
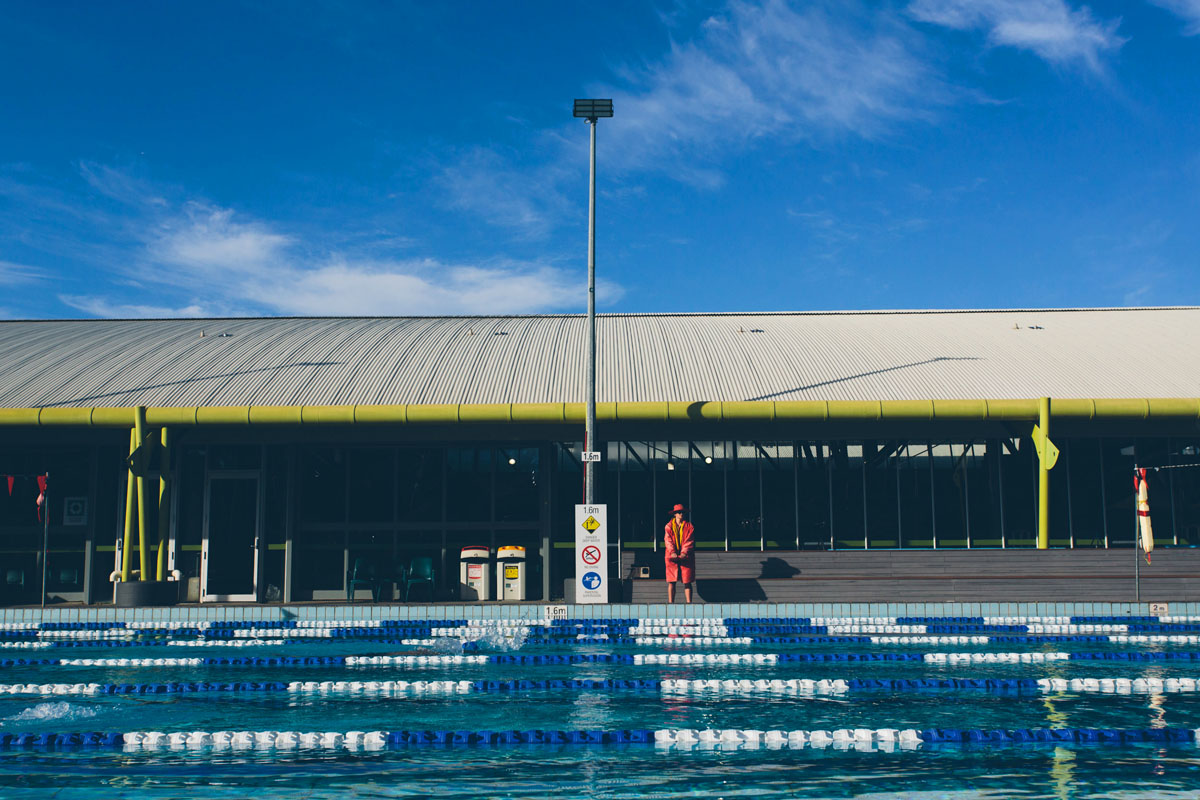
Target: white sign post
point(591, 554)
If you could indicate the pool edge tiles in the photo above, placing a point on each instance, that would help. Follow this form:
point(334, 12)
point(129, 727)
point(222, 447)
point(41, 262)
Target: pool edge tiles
point(525, 612)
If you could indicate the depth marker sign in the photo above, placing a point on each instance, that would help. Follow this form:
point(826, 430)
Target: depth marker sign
point(591, 554)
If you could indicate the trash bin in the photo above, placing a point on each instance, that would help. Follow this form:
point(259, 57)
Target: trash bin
point(510, 573)
point(474, 582)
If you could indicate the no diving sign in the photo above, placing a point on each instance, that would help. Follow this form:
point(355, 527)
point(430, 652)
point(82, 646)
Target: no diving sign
point(591, 554)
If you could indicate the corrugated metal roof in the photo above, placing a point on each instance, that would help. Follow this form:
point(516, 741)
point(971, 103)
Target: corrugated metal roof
point(898, 355)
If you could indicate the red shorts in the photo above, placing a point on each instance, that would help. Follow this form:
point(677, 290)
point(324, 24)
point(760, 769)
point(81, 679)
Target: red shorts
point(685, 570)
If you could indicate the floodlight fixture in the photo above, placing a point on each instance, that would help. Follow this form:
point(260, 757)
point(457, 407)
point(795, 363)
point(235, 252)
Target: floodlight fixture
point(593, 110)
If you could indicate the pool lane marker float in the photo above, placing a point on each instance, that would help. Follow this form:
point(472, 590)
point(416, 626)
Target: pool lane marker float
point(866, 739)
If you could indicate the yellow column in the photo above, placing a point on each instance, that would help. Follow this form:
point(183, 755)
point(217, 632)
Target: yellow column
point(139, 428)
point(127, 547)
point(164, 504)
point(1044, 465)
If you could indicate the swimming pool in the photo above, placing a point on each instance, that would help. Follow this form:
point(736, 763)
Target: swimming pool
point(385, 704)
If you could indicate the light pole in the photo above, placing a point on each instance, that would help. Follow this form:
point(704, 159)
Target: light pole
point(592, 111)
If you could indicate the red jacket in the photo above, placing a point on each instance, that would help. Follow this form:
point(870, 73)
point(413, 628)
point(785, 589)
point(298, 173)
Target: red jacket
point(685, 547)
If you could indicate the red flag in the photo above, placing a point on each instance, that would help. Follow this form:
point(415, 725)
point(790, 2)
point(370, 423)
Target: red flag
point(41, 498)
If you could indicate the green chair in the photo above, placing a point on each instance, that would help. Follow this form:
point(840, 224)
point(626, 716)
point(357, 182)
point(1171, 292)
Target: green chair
point(361, 576)
point(420, 571)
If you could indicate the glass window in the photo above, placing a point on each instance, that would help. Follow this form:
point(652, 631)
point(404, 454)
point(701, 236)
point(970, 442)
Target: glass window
point(707, 511)
point(372, 485)
point(636, 512)
point(1081, 460)
point(744, 497)
point(420, 484)
point(983, 494)
point(1185, 490)
point(469, 484)
point(319, 563)
point(813, 494)
point(950, 493)
point(517, 484)
point(883, 516)
point(322, 482)
point(915, 476)
point(1155, 453)
point(847, 486)
point(778, 463)
point(234, 456)
point(1018, 471)
point(1117, 460)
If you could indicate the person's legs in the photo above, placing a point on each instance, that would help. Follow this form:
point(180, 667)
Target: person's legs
point(687, 592)
point(671, 592)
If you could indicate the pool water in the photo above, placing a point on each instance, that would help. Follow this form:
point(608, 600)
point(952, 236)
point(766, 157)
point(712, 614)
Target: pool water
point(612, 770)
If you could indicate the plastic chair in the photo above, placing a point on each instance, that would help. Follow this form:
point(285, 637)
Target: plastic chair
point(420, 570)
point(362, 575)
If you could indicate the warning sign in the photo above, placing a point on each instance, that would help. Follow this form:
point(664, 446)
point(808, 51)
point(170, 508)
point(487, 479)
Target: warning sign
point(591, 554)
point(511, 572)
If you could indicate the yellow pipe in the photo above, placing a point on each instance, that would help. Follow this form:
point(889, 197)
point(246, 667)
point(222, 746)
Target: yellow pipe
point(164, 502)
point(1044, 478)
point(127, 547)
point(139, 428)
point(1005, 410)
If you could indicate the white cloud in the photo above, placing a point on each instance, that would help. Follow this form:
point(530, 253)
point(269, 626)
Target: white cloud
point(1049, 28)
point(16, 274)
point(232, 266)
point(1187, 10)
point(771, 70)
point(527, 200)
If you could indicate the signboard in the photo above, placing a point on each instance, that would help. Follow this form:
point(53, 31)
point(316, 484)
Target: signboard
point(75, 511)
point(1159, 609)
point(591, 455)
point(591, 553)
point(556, 612)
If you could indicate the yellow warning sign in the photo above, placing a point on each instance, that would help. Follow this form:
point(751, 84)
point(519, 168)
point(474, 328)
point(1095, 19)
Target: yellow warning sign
point(1047, 452)
point(590, 524)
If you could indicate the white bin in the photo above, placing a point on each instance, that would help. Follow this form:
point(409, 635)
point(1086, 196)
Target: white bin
point(474, 578)
point(510, 572)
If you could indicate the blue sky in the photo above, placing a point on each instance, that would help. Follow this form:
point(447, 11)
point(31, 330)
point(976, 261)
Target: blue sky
point(211, 159)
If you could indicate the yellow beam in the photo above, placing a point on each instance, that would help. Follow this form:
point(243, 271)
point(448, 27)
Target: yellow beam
point(1006, 410)
point(164, 504)
point(1044, 478)
point(139, 432)
point(127, 542)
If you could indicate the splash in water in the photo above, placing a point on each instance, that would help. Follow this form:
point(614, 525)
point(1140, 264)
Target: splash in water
point(52, 711)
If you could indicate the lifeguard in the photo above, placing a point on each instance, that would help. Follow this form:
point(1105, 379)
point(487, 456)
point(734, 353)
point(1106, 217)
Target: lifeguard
point(680, 554)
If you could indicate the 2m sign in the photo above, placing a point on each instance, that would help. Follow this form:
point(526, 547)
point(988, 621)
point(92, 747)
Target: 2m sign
point(591, 554)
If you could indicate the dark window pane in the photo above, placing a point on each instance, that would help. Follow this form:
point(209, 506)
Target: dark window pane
point(950, 491)
point(847, 478)
point(469, 487)
point(813, 495)
point(1185, 489)
point(883, 517)
point(983, 494)
point(517, 484)
point(1154, 453)
point(916, 495)
point(372, 485)
point(275, 513)
point(636, 511)
point(743, 498)
point(420, 485)
point(1018, 470)
point(1082, 463)
point(778, 495)
point(707, 511)
point(234, 456)
point(1118, 457)
point(671, 478)
point(322, 482)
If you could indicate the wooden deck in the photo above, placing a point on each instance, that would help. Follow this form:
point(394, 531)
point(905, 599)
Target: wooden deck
point(906, 576)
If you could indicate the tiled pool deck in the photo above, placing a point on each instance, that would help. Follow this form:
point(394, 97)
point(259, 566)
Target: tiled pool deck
point(528, 611)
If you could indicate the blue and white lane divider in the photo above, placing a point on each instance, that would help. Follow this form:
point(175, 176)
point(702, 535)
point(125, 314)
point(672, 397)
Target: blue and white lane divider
point(671, 687)
point(649, 659)
point(869, 739)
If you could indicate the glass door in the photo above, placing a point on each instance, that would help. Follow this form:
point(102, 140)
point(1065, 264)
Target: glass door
point(229, 556)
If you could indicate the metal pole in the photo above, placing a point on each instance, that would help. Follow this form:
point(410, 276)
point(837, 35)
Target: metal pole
point(1137, 566)
point(1043, 540)
point(127, 541)
point(164, 505)
point(139, 426)
point(45, 534)
point(589, 435)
